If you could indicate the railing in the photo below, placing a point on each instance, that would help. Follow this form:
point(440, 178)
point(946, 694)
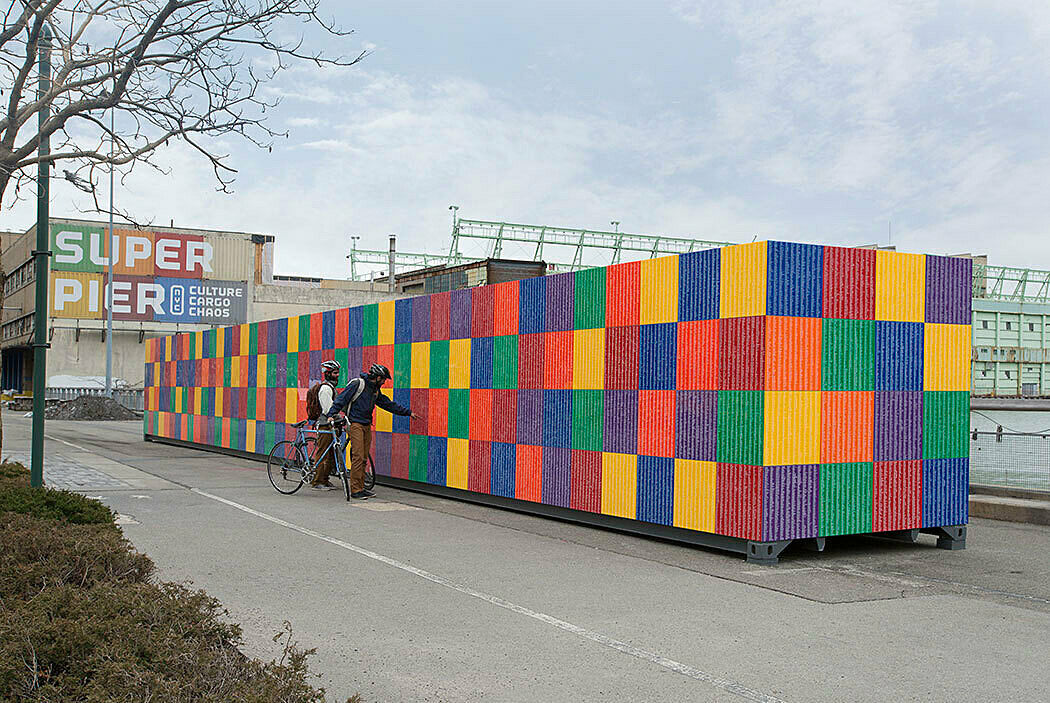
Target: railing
point(1010, 460)
point(130, 398)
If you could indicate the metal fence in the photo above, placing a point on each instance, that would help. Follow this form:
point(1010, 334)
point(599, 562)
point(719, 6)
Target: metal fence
point(130, 398)
point(1010, 459)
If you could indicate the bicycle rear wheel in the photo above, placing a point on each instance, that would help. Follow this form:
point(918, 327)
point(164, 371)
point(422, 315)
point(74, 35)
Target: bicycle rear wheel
point(370, 474)
point(286, 467)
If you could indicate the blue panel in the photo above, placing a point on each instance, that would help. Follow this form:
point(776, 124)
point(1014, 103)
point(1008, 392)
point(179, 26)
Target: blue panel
point(699, 274)
point(227, 343)
point(403, 397)
point(327, 329)
point(532, 305)
point(260, 438)
point(502, 469)
point(403, 320)
point(278, 342)
point(271, 403)
point(356, 324)
point(898, 356)
point(481, 362)
point(557, 418)
point(658, 357)
point(945, 492)
point(655, 489)
point(795, 279)
point(180, 374)
point(437, 460)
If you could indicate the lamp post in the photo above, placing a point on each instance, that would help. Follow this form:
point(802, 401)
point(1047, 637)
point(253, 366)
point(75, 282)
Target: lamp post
point(352, 256)
point(109, 286)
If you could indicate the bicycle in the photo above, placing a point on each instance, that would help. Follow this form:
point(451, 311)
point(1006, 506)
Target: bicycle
point(292, 463)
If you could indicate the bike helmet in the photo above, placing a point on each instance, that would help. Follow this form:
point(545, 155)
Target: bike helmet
point(330, 365)
point(379, 371)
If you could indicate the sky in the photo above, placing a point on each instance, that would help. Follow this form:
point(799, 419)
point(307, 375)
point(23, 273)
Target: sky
point(920, 123)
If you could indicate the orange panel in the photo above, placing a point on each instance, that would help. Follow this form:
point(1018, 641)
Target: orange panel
point(528, 479)
point(846, 419)
point(792, 353)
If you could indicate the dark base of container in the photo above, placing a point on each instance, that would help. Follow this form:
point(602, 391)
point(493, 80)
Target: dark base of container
point(761, 553)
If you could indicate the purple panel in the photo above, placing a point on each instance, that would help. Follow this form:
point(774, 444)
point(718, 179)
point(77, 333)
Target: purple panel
point(556, 471)
point(530, 417)
point(459, 314)
point(948, 289)
point(354, 363)
point(695, 425)
point(620, 429)
point(315, 365)
point(560, 302)
point(898, 425)
point(421, 319)
point(381, 443)
point(789, 502)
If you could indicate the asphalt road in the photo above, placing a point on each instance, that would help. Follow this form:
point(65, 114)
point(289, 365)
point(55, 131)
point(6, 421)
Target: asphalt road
point(414, 598)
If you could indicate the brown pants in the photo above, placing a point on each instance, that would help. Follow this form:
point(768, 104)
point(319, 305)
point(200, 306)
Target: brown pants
point(360, 446)
point(324, 440)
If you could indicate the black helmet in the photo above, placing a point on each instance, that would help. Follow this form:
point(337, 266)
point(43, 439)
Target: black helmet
point(379, 371)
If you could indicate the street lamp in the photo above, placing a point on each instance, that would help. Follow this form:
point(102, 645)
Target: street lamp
point(352, 256)
point(616, 226)
point(455, 210)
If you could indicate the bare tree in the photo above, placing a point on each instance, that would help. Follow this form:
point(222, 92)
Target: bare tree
point(183, 70)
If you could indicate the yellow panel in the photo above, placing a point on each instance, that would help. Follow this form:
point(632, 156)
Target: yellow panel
point(588, 359)
point(245, 337)
point(386, 322)
point(167, 348)
point(220, 342)
point(293, 334)
point(218, 401)
point(900, 287)
point(235, 372)
point(291, 406)
point(946, 357)
point(742, 287)
point(73, 294)
point(459, 363)
point(197, 402)
point(249, 435)
point(694, 495)
point(198, 346)
point(792, 428)
point(178, 399)
point(619, 484)
point(260, 368)
point(456, 467)
point(384, 421)
point(420, 365)
point(659, 290)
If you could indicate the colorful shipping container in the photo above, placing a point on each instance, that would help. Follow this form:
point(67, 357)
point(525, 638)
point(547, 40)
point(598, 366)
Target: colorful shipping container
point(742, 397)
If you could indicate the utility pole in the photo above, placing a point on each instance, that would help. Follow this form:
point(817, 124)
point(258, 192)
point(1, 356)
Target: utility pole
point(109, 287)
point(42, 251)
point(353, 257)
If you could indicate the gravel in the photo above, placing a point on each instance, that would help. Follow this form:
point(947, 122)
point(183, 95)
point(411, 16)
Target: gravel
point(90, 407)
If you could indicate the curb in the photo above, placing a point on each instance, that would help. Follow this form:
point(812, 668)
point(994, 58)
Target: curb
point(1034, 512)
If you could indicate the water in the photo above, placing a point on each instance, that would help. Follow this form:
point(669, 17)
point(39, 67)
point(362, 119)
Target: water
point(1013, 461)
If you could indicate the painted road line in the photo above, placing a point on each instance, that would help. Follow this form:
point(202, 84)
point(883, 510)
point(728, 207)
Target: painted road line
point(604, 640)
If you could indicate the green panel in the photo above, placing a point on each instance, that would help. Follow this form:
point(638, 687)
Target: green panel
point(945, 418)
point(226, 373)
point(439, 364)
point(292, 370)
point(505, 362)
point(217, 438)
point(417, 457)
point(171, 402)
point(252, 396)
point(304, 333)
point(343, 357)
point(590, 299)
point(402, 366)
point(74, 252)
point(458, 412)
point(189, 428)
point(740, 427)
point(268, 436)
point(848, 355)
point(370, 325)
point(845, 499)
point(587, 418)
point(253, 339)
point(208, 344)
point(271, 371)
point(236, 433)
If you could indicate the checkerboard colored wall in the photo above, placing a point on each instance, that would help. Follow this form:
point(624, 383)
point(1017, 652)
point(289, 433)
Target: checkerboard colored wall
point(765, 391)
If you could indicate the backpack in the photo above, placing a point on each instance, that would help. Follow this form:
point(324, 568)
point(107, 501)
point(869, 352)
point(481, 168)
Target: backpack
point(313, 404)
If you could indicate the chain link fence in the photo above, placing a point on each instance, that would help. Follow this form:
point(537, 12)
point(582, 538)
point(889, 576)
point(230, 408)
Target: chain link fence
point(130, 398)
point(1010, 459)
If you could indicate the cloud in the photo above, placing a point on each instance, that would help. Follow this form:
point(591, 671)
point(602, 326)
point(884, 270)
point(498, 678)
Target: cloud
point(304, 122)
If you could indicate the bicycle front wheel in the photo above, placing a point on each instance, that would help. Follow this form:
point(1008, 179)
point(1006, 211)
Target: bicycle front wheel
point(286, 467)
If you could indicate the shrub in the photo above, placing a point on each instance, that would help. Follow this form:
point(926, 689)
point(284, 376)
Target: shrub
point(17, 496)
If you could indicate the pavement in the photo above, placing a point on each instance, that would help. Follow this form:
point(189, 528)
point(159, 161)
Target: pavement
point(409, 597)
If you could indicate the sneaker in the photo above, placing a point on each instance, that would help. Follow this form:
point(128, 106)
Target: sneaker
point(324, 487)
point(369, 493)
point(360, 495)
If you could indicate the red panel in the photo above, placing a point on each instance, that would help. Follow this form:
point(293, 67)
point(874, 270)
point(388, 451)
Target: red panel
point(506, 315)
point(369, 356)
point(260, 404)
point(280, 405)
point(439, 306)
point(316, 325)
point(530, 361)
point(342, 328)
point(398, 455)
point(849, 283)
point(171, 374)
point(304, 369)
point(698, 355)
point(419, 401)
point(203, 372)
point(482, 307)
point(738, 501)
point(481, 414)
point(226, 434)
point(656, 423)
point(528, 474)
point(479, 466)
point(621, 297)
point(385, 356)
point(505, 415)
point(741, 354)
point(897, 495)
point(557, 360)
point(621, 358)
point(586, 482)
point(327, 354)
point(262, 337)
point(233, 340)
point(437, 412)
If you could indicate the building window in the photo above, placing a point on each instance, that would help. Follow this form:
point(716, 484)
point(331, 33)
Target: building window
point(1007, 324)
point(1031, 325)
point(1007, 374)
point(984, 372)
point(984, 323)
